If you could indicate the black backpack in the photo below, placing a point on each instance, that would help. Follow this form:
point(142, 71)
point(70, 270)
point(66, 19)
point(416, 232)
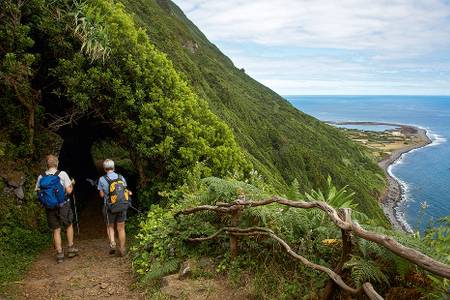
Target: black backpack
point(118, 198)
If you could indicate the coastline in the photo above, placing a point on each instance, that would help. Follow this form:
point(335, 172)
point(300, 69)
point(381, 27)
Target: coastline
point(394, 193)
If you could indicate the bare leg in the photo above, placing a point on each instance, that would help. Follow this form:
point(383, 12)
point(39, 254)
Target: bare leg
point(57, 239)
point(71, 250)
point(122, 237)
point(69, 233)
point(110, 232)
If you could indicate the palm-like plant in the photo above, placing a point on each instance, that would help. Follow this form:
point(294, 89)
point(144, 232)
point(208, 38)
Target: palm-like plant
point(337, 198)
point(93, 36)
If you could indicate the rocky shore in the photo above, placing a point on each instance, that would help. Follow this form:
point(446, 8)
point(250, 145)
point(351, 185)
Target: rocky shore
point(394, 193)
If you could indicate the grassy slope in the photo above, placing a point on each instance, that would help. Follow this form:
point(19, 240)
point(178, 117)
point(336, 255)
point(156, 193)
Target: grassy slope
point(282, 142)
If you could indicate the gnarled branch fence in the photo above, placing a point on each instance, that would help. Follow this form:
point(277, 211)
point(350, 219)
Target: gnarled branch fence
point(341, 219)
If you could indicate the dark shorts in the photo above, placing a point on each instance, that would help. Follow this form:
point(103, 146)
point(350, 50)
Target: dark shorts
point(111, 218)
point(61, 216)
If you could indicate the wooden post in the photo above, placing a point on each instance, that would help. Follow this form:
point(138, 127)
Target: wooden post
point(345, 215)
point(234, 238)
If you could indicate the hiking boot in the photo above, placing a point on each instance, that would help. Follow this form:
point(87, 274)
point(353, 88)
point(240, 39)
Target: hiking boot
point(72, 252)
point(122, 252)
point(60, 257)
point(112, 249)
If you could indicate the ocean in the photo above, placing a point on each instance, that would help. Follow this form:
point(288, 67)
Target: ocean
point(424, 173)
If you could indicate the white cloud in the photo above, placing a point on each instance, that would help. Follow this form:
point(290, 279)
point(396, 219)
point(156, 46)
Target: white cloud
point(301, 67)
point(334, 75)
point(399, 25)
point(372, 46)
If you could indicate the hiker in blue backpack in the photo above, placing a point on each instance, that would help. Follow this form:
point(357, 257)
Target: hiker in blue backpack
point(53, 188)
point(115, 194)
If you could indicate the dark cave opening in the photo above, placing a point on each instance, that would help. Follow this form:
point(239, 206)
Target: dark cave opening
point(75, 156)
point(76, 159)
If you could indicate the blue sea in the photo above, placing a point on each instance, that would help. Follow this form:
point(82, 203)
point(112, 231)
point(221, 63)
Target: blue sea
point(424, 173)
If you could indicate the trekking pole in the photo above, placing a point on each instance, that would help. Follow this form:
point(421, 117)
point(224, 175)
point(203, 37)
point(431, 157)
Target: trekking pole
point(76, 213)
point(107, 225)
point(92, 182)
point(137, 210)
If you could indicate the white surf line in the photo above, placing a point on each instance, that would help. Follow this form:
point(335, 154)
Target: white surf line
point(400, 214)
point(405, 196)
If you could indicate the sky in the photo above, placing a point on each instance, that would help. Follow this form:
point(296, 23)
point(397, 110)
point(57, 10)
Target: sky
point(347, 47)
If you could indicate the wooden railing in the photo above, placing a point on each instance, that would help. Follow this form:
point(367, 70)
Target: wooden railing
point(341, 218)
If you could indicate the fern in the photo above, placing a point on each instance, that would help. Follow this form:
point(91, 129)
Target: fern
point(368, 248)
point(363, 270)
point(200, 198)
point(160, 269)
point(293, 192)
point(225, 190)
point(402, 266)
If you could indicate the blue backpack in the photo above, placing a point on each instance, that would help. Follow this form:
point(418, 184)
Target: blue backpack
point(51, 192)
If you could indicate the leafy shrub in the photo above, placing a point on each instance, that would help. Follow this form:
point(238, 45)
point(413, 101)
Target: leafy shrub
point(97, 62)
point(273, 273)
point(18, 248)
point(22, 235)
point(167, 128)
point(437, 237)
point(161, 240)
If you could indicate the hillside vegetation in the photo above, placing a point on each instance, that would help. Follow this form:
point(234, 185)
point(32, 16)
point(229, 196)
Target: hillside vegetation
point(85, 62)
point(70, 62)
point(282, 142)
point(197, 131)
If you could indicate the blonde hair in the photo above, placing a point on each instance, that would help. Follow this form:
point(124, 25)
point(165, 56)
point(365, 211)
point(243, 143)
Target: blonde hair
point(52, 161)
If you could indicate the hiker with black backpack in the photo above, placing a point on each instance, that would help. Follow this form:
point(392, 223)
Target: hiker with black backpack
point(53, 188)
point(115, 194)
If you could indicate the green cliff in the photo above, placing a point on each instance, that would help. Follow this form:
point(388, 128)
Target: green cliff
point(282, 142)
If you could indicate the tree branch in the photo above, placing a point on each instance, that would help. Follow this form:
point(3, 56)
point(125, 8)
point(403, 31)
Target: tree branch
point(252, 231)
point(229, 229)
point(370, 291)
point(410, 254)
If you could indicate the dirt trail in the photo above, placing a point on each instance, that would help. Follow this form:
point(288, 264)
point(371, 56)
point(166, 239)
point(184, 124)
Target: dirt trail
point(93, 274)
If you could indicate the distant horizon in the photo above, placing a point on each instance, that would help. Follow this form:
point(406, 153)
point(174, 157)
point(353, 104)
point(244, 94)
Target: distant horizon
point(359, 95)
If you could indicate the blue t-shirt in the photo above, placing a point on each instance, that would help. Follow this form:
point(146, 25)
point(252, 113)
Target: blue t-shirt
point(104, 186)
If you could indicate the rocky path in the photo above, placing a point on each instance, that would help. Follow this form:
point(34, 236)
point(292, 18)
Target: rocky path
point(93, 274)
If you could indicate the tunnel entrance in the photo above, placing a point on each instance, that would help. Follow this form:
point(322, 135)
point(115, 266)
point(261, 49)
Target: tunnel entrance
point(77, 159)
point(75, 156)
